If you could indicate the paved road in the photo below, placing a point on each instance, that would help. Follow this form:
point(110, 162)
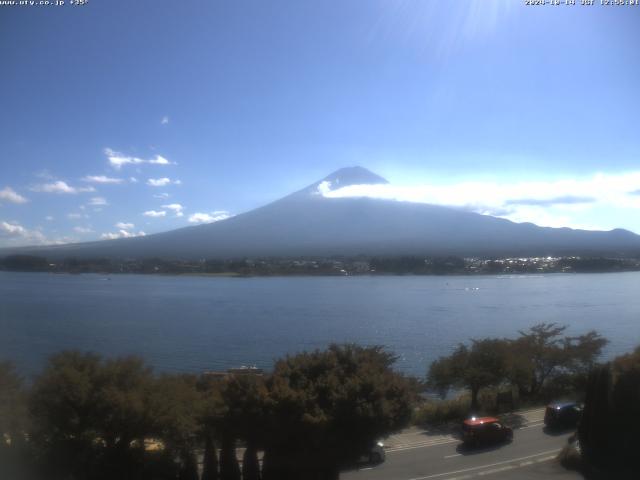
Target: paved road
point(422, 456)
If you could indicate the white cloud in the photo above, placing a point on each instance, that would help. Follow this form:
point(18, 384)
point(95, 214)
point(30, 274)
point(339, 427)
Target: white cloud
point(159, 160)
point(12, 233)
point(158, 182)
point(45, 175)
point(82, 230)
point(162, 196)
point(101, 179)
point(155, 213)
point(165, 120)
point(49, 218)
point(176, 207)
point(547, 203)
point(12, 228)
point(76, 216)
point(61, 187)
point(209, 217)
point(121, 234)
point(96, 201)
point(324, 188)
point(117, 160)
point(124, 226)
point(11, 195)
point(133, 179)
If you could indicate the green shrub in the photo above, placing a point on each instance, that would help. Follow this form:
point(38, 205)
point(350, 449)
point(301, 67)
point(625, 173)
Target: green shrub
point(436, 412)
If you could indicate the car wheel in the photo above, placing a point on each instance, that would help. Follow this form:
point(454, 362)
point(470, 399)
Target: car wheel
point(375, 458)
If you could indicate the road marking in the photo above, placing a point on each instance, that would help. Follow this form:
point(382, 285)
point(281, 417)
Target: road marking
point(440, 440)
point(530, 425)
point(497, 470)
point(423, 442)
point(464, 470)
point(454, 455)
point(545, 459)
point(419, 445)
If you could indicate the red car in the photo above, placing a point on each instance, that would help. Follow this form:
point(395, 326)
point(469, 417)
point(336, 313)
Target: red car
point(484, 430)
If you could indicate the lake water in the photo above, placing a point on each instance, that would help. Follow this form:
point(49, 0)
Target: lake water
point(194, 324)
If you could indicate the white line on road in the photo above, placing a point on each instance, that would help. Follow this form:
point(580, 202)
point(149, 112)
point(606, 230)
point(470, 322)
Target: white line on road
point(545, 459)
point(419, 445)
point(497, 470)
point(438, 441)
point(454, 455)
point(486, 466)
point(531, 425)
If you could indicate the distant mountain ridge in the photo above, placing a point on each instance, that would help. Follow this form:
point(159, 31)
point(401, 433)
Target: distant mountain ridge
point(306, 223)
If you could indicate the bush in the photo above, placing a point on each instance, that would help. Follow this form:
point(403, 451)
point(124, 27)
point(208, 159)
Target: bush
point(437, 412)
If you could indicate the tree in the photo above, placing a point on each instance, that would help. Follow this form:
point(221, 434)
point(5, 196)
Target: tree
point(13, 423)
point(328, 407)
point(481, 365)
point(212, 419)
point(176, 408)
point(625, 398)
point(245, 416)
point(250, 464)
point(189, 466)
point(611, 418)
point(13, 414)
point(210, 460)
point(229, 468)
point(91, 416)
point(594, 429)
point(542, 352)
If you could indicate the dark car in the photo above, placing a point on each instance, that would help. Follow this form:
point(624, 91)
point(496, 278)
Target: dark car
point(562, 415)
point(485, 430)
point(375, 455)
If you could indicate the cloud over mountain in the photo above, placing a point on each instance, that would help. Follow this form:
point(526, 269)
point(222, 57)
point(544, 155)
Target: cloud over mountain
point(209, 217)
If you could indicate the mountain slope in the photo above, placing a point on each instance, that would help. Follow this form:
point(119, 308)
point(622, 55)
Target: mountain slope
point(306, 223)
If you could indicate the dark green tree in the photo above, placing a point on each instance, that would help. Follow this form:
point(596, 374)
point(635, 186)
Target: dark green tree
point(626, 404)
point(13, 423)
point(210, 460)
point(245, 398)
point(91, 416)
point(229, 468)
point(594, 430)
point(176, 407)
point(250, 464)
point(13, 411)
point(212, 422)
point(608, 431)
point(328, 407)
point(188, 466)
point(480, 365)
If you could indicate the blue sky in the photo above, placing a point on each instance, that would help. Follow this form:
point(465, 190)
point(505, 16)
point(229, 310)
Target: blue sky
point(479, 104)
